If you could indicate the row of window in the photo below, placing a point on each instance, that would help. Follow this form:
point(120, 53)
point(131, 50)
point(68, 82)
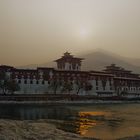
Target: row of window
point(97, 83)
point(131, 89)
point(104, 88)
point(31, 82)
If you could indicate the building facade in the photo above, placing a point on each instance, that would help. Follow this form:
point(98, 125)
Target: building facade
point(69, 79)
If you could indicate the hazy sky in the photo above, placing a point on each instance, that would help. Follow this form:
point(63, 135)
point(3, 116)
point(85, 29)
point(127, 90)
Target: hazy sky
point(37, 31)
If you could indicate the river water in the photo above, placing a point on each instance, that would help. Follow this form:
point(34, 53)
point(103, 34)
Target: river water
point(104, 121)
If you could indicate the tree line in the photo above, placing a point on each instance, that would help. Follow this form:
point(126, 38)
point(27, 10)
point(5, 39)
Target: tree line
point(66, 86)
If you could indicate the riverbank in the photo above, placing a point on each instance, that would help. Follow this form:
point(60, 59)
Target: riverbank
point(70, 98)
point(34, 130)
point(61, 102)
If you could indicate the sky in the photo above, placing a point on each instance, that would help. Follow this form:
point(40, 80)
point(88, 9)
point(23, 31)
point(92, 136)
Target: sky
point(38, 31)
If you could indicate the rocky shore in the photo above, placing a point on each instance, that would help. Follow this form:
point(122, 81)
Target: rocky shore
point(38, 130)
point(34, 130)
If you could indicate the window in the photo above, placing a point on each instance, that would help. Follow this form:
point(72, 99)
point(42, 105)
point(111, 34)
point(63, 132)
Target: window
point(110, 83)
point(96, 82)
point(31, 82)
point(19, 81)
point(96, 88)
point(134, 89)
point(37, 82)
point(43, 82)
point(25, 81)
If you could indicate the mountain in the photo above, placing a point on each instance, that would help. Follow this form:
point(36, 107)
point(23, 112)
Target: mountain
point(134, 61)
point(97, 60)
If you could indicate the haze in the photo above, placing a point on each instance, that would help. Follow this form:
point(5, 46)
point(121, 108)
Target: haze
point(37, 31)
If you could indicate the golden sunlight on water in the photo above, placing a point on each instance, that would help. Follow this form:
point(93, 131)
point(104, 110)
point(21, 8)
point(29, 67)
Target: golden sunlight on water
point(109, 123)
point(86, 121)
point(83, 125)
point(94, 113)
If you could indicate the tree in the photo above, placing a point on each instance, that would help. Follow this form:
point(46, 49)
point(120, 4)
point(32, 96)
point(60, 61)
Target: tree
point(12, 86)
point(83, 85)
point(2, 81)
point(2, 75)
point(88, 86)
point(54, 85)
point(80, 85)
point(67, 86)
point(7, 85)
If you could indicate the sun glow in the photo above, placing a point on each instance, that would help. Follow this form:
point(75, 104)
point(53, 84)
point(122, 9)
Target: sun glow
point(83, 33)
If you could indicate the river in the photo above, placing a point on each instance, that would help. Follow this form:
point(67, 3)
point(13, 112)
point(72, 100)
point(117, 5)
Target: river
point(104, 121)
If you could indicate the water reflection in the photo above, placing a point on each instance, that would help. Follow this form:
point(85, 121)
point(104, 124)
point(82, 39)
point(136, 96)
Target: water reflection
point(87, 120)
point(30, 112)
point(83, 124)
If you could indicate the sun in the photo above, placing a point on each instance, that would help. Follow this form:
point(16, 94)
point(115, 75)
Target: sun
point(83, 32)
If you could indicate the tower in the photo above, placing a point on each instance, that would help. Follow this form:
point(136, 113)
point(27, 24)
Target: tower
point(69, 62)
